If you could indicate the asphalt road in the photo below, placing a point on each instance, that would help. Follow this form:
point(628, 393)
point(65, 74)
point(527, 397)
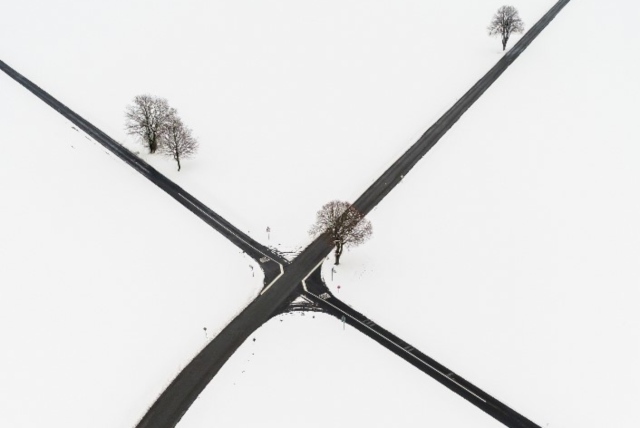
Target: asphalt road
point(280, 283)
point(271, 262)
point(314, 289)
point(390, 178)
point(176, 399)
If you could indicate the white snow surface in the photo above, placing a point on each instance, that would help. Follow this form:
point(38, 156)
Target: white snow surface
point(107, 283)
point(508, 254)
point(294, 103)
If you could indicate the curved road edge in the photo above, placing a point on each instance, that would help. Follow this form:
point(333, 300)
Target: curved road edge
point(271, 262)
point(479, 398)
point(175, 400)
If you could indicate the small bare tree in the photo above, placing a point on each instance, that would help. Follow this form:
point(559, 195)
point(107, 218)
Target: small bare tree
point(177, 140)
point(147, 118)
point(345, 224)
point(505, 22)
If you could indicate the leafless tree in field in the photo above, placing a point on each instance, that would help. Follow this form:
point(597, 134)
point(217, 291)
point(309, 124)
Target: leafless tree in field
point(177, 140)
point(505, 22)
point(147, 118)
point(345, 225)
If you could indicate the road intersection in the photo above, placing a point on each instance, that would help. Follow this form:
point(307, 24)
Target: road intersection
point(287, 280)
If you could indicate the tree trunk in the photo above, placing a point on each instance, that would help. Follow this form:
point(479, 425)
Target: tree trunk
point(504, 43)
point(338, 252)
point(178, 160)
point(153, 146)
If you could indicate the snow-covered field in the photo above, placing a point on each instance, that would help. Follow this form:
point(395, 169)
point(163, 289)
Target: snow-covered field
point(507, 254)
point(305, 370)
point(107, 284)
point(294, 103)
point(511, 253)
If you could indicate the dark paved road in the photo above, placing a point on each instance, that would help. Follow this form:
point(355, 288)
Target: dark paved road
point(271, 262)
point(169, 408)
point(315, 290)
point(176, 399)
point(383, 185)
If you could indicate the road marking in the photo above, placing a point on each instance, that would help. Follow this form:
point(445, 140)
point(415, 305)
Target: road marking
point(304, 286)
point(274, 280)
point(303, 281)
point(240, 238)
point(141, 166)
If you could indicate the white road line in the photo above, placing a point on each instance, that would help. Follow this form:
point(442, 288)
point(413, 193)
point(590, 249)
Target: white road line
point(239, 237)
point(274, 280)
point(467, 389)
point(303, 281)
point(304, 286)
point(141, 166)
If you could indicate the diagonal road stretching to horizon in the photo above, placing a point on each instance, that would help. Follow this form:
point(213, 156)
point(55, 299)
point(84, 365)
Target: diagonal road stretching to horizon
point(281, 284)
point(270, 261)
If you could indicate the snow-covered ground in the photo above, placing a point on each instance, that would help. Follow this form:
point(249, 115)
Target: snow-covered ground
point(107, 283)
point(507, 254)
point(305, 370)
point(294, 103)
point(510, 253)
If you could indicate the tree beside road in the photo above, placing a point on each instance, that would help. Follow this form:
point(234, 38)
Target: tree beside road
point(147, 118)
point(159, 128)
point(505, 22)
point(345, 224)
point(178, 141)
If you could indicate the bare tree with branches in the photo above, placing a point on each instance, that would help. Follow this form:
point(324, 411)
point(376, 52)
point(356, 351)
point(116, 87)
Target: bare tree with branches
point(147, 118)
point(177, 140)
point(505, 22)
point(345, 224)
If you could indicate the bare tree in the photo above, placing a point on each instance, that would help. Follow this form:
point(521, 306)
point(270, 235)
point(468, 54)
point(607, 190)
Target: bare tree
point(147, 118)
point(177, 140)
point(505, 22)
point(345, 225)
